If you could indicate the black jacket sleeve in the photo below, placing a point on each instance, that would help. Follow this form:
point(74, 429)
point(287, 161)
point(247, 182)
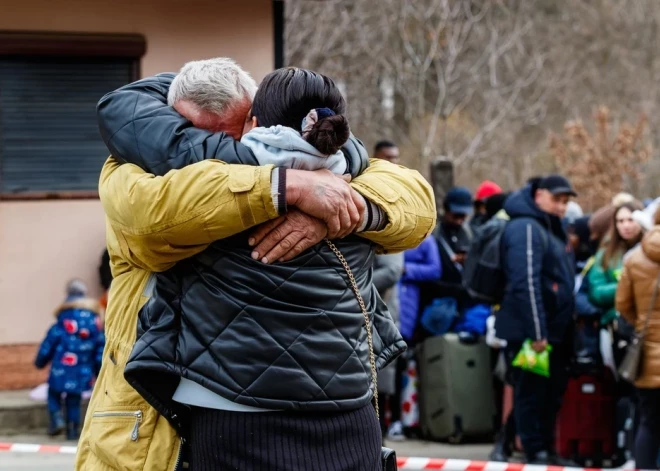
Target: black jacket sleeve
point(139, 127)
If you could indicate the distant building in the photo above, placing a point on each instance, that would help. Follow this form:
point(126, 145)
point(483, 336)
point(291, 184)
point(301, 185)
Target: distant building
point(56, 61)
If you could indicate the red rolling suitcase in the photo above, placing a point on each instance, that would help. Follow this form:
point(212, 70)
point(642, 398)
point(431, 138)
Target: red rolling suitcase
point(586, 426)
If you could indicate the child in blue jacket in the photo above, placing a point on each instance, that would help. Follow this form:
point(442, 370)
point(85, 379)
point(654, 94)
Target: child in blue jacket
point(74, 347)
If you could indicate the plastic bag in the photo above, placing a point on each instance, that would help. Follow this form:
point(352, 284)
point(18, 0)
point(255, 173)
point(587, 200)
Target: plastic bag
point(528, 360)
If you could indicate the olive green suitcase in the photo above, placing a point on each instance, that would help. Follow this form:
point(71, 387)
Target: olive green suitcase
point(456, 393)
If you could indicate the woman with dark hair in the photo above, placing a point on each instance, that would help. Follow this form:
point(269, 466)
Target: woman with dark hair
point(625, 233)
point(272, 366)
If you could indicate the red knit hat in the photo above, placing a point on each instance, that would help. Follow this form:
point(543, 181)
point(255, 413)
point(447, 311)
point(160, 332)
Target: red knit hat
point(486, 190)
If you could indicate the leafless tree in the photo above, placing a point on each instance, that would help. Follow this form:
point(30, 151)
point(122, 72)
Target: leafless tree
point(483, 82)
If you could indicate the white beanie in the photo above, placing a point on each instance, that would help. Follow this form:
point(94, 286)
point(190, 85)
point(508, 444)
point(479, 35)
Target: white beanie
point(573, 212)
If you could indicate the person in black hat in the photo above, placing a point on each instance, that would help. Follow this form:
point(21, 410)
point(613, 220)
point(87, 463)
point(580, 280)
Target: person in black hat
point(538, 305)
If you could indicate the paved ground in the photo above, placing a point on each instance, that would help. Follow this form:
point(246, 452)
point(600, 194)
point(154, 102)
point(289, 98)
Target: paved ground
point(57, 462)
point(35, 461)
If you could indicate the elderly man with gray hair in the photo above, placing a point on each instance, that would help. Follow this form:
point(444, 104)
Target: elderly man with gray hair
point(192, 183)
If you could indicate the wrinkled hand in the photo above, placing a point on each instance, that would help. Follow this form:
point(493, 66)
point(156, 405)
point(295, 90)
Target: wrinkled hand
point(325, 196)
point(284, 238)
point(539, 346)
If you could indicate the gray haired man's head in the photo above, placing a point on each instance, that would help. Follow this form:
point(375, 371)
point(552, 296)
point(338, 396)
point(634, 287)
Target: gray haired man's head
point(214, 94)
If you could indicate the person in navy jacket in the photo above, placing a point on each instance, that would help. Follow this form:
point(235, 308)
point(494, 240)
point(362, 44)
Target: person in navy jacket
point(538, 305)
point(74, 348)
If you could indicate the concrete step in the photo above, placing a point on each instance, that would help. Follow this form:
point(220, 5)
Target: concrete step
point(21, 415)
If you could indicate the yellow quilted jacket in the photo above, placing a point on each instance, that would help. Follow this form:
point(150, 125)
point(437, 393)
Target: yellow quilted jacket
point(154, 222)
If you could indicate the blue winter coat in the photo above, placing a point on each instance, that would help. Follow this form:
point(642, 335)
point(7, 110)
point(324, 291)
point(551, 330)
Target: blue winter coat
point(74, 346)
point(538, 300)
point(421, 264)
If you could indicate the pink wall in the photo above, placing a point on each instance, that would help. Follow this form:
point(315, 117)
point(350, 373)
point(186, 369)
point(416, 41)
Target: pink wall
point(45, 243)
point(42, 246)
point(176, 31)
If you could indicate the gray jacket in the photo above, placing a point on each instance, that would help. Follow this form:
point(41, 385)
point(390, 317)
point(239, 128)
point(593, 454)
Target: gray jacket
point(387, 272)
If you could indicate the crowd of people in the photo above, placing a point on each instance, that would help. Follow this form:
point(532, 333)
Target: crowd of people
point(231, 313)
point(578, 285)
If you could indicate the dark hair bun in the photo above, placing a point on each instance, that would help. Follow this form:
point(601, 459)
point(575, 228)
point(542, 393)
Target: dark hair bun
point(329, 134)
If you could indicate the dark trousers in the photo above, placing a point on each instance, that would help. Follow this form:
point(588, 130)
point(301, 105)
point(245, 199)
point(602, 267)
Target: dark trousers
point(647, 441)
point(288, 441)
point(537, 401)
point(72, 403)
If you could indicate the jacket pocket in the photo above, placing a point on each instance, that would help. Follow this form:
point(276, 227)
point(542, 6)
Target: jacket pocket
point(120, 436)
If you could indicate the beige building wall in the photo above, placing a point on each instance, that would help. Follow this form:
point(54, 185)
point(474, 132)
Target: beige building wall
point(45, 243)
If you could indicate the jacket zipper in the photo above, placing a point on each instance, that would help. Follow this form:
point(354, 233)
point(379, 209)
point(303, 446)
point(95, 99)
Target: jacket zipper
point(138, 419)
point(178, 456)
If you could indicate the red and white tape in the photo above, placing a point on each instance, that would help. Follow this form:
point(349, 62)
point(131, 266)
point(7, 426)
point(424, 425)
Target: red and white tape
point(405, 464)
point(30, 448)
point(469, 465)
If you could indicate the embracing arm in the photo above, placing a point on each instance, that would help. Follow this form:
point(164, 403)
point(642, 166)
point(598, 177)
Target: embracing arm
point(162, 220)
point(139, 127)
point(407, 200)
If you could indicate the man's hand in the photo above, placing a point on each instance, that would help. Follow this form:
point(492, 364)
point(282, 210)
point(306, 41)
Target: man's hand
point(539, 346)
point(286, 237)
point(325, 196)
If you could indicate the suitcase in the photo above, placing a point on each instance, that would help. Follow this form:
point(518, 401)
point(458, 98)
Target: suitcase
point(456, 400)
point(586, 425)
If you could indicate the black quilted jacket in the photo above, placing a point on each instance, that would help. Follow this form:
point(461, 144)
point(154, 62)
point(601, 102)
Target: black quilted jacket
point(284, 336)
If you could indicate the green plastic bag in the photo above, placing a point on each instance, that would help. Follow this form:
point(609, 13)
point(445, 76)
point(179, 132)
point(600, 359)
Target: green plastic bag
point(528, 360)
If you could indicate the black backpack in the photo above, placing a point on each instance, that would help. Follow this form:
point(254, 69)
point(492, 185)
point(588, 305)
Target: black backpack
point(483, 275)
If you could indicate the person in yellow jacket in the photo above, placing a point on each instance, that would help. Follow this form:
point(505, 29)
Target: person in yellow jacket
point(155, 221)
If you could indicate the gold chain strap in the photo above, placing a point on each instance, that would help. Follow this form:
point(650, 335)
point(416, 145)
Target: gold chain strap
point(367, 322)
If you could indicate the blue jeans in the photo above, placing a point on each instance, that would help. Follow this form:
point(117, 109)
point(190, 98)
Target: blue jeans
point(72, 403)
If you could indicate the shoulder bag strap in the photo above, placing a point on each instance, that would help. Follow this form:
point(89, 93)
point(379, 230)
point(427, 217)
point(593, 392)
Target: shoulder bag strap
point(367, 321)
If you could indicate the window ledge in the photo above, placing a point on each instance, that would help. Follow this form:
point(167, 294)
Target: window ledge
point(50, 195)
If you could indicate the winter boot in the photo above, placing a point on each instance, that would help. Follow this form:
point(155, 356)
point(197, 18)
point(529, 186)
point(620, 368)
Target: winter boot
point(72, 431)
point(556, 460)
point(56, 425)
point(502, 450)
point(540, 458)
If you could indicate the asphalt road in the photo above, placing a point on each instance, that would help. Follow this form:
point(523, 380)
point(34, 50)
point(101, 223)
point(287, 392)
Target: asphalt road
point(62, 462)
